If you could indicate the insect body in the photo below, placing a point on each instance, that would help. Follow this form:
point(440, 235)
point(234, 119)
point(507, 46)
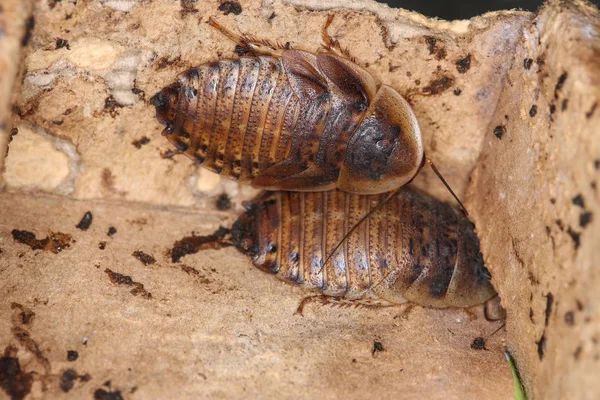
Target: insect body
point(292, 120)
point(412, 249)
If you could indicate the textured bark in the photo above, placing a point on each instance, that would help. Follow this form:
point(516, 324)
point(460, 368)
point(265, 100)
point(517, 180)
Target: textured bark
point(213, 325)
point(15, 31)
point(535, 201)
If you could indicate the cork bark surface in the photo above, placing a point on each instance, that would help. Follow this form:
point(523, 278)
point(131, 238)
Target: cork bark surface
point(535, 200)
point(83, 137)
point(15, 32)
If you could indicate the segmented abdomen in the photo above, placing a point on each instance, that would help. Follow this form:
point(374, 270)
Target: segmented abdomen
point(414, 248)
point(235, 117)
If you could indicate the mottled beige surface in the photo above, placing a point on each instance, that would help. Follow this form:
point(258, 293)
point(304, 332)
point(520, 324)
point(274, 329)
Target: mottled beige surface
point(227, 330)
point(536, 203)
point(15, 29)
point(40, 161)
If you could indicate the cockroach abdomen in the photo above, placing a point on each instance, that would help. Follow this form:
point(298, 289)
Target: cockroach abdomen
point(413, 248)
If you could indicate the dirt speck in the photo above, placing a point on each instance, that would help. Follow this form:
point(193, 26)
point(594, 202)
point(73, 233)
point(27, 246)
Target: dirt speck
point(463, 64)
point(575, 236)
point(549, 303)
point(55, 242)
point(13, 381)
point(29, 25)
point(119, 279)
point(67, 380)
point(26, 315)
point(223, 202)
point(570, 318)
point(440, 54)
point(112, 106)
point(111, 231)
point(140, 142)
point(431, 41)
point(102, 245)
point(145, 258)
point(527, 63)
point(377, 348)
point(578, 201)
point(139, 92)
point(560, 83)
point(108, 180)
point(187, 7)
point(72, 355)
point(499, 131)
point(457, 91)
point(194, 272)
point(60, 43)
point(232, 7)
point(439, 85)
point(478, 344)
point(531, 315)
point(541, 346)
point(533, 111)
point(164, 62)
point(101, 394)
point(193, 244)
point(585, 218)
point(591, 111)
point(86, 221)
point(138, 221)
point(241, 50)
point(25, 339)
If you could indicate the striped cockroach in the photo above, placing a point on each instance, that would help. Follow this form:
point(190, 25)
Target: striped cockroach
point(413, 248)
point(284, 119)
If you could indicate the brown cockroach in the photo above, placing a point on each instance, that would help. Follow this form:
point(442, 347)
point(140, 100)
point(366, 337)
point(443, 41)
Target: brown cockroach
point(285, 119)
point(413, 248)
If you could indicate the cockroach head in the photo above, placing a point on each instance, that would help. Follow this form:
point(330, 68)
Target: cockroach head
point(165, 102)
point(244, 231)
point(255, 232)
point(386, 149)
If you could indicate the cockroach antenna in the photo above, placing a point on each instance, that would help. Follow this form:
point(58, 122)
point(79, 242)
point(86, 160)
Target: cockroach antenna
point(388, 198)
point(439, 175)
point(363, 219)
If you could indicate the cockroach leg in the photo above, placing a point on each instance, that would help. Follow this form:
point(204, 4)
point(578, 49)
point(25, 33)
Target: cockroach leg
point(340, 301)
point(238, 39)
point(305, 301)
point(331, 44)
point(408, 307)
point(253, 45)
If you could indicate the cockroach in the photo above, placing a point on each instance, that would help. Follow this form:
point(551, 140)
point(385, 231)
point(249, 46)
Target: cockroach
point(413, 248)
point(284, 119)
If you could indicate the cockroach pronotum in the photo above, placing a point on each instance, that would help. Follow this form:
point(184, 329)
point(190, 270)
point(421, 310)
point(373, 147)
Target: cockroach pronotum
point(413, 248)
point(285, 119)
